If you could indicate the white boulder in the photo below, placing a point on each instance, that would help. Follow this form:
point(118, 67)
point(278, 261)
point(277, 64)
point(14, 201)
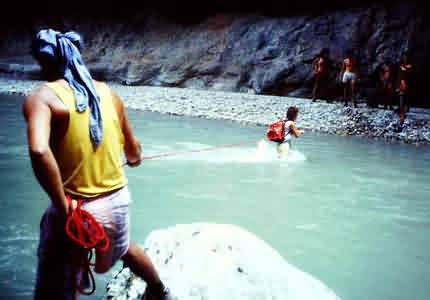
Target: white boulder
point(219, 262)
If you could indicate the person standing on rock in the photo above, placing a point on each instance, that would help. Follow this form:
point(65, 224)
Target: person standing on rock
point(349, 77)
point(403, 90)
point(77, 131)
point(321, 74)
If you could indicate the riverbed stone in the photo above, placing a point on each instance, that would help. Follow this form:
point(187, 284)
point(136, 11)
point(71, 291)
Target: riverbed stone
point(219, 261)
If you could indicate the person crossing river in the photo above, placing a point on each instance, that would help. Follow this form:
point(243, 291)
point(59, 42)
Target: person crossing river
point(283, 131)
point(77, 132)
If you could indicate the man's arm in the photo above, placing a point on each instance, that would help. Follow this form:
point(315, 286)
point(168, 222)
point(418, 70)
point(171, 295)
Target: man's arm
point(132, 147)
point(314, 64)
point(38, 116)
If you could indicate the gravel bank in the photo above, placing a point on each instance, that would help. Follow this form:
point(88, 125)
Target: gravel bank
point(261, 110)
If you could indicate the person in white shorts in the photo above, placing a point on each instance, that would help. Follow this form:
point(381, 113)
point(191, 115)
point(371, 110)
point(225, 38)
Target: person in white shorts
point(349, 78)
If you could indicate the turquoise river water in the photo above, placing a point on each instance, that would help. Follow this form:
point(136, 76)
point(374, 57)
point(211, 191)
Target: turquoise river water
point(352, 212)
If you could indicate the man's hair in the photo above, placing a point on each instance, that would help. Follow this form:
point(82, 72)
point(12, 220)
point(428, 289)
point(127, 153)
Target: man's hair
point(292, 113)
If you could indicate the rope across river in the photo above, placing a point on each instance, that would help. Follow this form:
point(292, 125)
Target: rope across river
point(176, 153)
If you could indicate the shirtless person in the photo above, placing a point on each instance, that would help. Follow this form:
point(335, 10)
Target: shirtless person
point(349, 78)
point(403, 89)
point(320, 67)
point(386, 79)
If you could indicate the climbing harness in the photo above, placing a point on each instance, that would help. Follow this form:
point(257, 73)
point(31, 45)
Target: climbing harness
point(84, 230)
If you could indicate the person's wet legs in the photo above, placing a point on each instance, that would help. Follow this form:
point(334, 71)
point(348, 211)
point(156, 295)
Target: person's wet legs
point(57, 272)
point(140, 264)
point(283, 149)
point(402, 108)
point(315, 90)
point(345, 93)
point(390, 97)
point(353, 99)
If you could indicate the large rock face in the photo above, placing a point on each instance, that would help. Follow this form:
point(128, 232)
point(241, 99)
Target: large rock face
point(212, 262)
point(245, 53)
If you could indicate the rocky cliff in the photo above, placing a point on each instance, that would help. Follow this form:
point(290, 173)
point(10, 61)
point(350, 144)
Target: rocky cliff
point(242, 52)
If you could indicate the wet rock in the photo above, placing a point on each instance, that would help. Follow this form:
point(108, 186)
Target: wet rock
point(219, 263)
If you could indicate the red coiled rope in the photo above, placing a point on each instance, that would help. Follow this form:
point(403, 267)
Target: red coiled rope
point(84, 230)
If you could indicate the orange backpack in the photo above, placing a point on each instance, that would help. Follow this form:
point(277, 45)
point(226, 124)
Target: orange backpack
point(276, 131)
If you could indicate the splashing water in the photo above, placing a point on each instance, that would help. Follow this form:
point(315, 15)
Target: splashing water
point(267, 152)
point(263, 151)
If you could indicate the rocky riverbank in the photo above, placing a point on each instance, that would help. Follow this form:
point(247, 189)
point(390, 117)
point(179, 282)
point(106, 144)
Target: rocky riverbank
point(320, 116)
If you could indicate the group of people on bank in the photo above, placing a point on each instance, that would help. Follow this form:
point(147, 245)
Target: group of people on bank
point(393, 86)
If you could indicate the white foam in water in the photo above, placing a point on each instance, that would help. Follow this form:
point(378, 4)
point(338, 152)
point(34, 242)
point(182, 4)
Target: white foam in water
point(266, 151)
point(263, 151)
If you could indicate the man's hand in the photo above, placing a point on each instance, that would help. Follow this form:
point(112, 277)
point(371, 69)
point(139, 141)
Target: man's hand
point(134, 163)
point(63, 207)
point(136, 148)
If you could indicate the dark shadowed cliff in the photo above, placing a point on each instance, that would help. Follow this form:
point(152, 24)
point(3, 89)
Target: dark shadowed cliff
point(256, 49)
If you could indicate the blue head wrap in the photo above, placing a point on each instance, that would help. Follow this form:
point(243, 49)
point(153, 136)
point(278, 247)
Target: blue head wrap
point(63, 48)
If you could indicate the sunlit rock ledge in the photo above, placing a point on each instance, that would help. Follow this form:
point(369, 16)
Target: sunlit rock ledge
point(218, 261)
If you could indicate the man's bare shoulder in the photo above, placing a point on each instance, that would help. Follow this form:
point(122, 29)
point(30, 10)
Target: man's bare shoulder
point(42, 92)
point(39, 95)
point(39, 98)
point(115, 96)
point(100, 84)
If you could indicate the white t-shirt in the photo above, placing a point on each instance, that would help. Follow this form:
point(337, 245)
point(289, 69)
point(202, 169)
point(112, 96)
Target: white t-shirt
point(288, 134)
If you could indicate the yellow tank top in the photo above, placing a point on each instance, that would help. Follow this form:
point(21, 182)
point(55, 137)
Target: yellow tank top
point(87, 171)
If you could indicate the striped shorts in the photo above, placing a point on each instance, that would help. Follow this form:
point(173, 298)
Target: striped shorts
point(56, 274)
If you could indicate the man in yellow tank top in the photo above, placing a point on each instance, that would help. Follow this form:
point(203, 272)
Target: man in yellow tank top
point(77, 132)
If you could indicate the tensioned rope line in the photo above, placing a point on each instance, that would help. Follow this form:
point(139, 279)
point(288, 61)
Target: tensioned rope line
point(163, 155)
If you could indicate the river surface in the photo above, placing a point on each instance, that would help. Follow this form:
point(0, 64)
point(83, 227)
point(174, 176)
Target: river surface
point(352, 212)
